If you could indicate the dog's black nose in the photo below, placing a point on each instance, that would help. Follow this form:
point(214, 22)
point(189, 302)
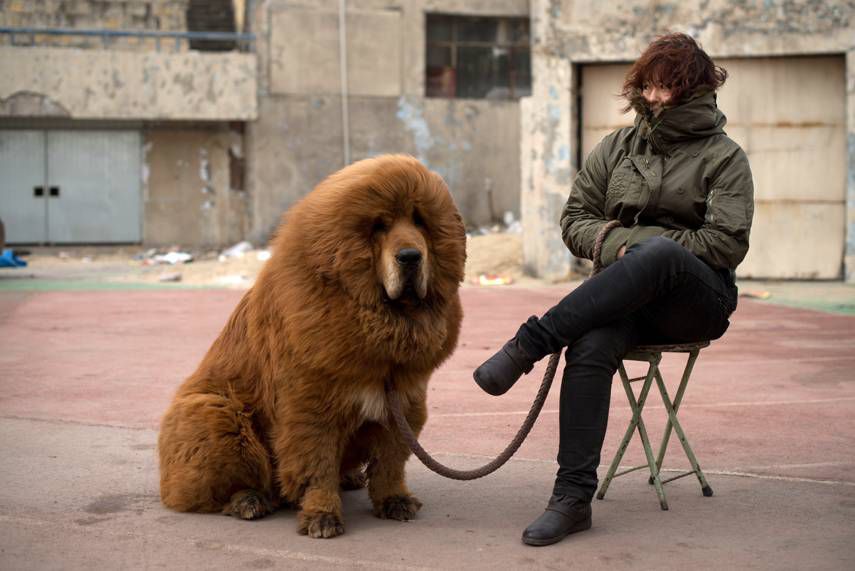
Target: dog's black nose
point(408, 256)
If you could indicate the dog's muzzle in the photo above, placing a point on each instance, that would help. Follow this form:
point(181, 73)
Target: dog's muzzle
point(408, 273)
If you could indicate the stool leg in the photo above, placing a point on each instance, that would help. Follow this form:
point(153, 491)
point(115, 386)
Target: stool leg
point(672, 417)
point(678, 398)
point(636, 422)
point(626, 437)
point(645, 442)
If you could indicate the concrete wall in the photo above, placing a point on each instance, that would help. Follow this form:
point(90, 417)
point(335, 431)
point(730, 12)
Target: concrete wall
point(849, 254)
point(187, 194)
point(163, 15)
point(298, 138)
point(107, 84)
point(569, 32)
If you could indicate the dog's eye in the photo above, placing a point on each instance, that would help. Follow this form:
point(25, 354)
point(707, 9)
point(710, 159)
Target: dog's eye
point(417, 218)
point(378, 226)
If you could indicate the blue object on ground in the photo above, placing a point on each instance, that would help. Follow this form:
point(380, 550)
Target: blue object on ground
point(8, 259)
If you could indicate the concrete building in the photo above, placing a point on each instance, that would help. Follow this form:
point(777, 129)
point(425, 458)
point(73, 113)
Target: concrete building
point(503, 97)
point(121, 139)
point(230, 140)
point(304, 132)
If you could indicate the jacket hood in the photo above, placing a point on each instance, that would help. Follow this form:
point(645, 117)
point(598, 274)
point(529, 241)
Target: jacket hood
point(697, 118)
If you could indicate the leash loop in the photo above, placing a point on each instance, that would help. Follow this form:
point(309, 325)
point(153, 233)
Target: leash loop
point(394, 404)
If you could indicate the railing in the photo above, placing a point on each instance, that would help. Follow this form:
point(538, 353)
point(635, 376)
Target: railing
point(244, 42)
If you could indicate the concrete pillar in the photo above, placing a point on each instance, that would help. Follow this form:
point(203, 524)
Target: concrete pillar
point(849, 254)
point(545, 144)
point(545, 166)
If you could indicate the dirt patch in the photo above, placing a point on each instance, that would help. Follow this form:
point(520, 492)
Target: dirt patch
point(496, 257)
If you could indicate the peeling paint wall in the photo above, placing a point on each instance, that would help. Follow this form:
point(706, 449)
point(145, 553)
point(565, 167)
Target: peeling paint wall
point(187, 192)
point(546, 164)
point(108, 84)
point(297, 139)
point(586, 31)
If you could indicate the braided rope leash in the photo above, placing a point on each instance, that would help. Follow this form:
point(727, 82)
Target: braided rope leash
point(393, 401)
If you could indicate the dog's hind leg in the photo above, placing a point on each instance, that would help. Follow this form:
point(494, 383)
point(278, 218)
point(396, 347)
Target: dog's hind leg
point(354, 460)
point(212, 459)
point(354, 479)
point(249, 504)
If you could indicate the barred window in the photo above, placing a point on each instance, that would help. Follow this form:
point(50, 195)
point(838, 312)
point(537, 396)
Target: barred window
point(477, 57)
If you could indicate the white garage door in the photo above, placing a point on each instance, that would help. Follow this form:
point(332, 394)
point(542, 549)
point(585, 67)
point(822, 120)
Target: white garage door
point(64, 187)
point(788, 114)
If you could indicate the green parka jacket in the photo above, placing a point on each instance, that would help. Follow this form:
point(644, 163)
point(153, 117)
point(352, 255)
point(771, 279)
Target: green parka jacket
point(676, 175)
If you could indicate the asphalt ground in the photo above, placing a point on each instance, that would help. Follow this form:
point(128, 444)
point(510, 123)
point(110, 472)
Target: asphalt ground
point(770, 412)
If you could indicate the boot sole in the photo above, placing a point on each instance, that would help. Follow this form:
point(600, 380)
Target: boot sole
point(581, 526)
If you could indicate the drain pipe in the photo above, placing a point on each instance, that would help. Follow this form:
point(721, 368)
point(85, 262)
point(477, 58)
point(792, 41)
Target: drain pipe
point(342, 58)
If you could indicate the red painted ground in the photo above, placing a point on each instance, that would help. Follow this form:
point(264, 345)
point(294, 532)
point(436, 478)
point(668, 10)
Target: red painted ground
point(765, 395)
point(770, 412)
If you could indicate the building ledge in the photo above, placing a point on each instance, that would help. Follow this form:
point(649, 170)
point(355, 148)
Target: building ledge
point(112, 84)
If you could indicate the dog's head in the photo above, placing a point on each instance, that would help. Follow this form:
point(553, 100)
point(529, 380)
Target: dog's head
point(402, 256)
point(386, 229)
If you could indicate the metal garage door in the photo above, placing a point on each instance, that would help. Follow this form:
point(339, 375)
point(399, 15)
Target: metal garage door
point(23, 207)
point(71, 186)
point(789, 116)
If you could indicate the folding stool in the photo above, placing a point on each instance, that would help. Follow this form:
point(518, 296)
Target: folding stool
point(652, 354)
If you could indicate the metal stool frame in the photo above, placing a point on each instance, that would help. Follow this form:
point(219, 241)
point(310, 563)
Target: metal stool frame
point(652, 354)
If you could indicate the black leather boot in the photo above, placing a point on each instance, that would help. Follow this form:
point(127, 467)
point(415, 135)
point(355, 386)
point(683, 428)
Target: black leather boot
point(499, 373)
point(564, 515)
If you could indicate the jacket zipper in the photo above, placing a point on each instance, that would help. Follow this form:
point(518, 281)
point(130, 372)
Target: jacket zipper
point(649, 192)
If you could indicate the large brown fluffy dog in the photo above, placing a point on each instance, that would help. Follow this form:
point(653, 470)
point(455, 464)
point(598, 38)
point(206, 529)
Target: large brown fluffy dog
point(288, 404)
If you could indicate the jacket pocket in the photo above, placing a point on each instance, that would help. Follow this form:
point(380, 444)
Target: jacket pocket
point(617, 183)
point(726, 212)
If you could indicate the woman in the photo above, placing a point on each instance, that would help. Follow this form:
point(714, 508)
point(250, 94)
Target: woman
point(683, 193)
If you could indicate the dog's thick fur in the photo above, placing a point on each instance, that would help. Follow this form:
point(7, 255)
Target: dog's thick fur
point(288, 404)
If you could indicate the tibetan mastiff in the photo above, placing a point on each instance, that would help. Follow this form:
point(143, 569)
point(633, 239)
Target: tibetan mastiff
point(288, 405)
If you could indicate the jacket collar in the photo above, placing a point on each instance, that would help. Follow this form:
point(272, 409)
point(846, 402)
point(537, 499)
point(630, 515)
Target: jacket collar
point(697, 118)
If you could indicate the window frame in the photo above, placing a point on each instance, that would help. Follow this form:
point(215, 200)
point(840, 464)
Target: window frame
point(504, 29)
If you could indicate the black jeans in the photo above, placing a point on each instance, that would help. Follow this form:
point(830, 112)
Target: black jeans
point(658, 292)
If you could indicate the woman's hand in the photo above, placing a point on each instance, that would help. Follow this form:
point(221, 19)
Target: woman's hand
point(621, 252)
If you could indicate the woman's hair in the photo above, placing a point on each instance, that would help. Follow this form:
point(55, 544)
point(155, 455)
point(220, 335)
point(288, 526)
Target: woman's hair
point(676, 62)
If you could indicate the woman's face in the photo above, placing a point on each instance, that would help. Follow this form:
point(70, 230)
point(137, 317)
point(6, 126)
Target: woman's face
point(656, 96)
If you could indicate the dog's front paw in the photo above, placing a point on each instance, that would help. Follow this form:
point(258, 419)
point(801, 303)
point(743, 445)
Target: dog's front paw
point(401, 508)
point(319, 525)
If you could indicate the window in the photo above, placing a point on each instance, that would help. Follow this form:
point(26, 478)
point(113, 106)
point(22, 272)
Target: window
point(477, 57)
point(211, 16)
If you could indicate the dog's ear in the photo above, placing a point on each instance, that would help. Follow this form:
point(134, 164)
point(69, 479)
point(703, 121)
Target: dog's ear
point(332, 241)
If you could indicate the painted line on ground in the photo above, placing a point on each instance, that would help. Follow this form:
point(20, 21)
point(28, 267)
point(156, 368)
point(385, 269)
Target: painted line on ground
point(649, 406)
point(735, 472)
point(787, 360)
point(77, 422)
point(794, 466)
point(739, 474)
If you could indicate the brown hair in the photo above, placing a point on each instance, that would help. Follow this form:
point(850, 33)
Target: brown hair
point(674, 61)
